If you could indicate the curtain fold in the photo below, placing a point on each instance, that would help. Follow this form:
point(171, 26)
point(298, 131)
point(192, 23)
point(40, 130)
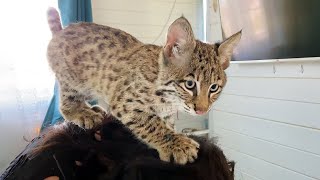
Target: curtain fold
point(71, 11)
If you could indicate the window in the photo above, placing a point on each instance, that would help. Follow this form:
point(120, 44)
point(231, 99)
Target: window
point(26, 81)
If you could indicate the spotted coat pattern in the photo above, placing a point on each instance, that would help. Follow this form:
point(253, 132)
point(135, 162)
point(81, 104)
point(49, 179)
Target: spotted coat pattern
point(133, 81)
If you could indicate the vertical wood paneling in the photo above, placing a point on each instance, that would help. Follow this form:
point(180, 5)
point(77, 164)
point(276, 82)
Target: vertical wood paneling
point(213, 25)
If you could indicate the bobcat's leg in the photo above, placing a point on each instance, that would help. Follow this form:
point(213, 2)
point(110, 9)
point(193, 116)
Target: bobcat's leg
point(75, 109)
point(154, 131)
point(170, 121)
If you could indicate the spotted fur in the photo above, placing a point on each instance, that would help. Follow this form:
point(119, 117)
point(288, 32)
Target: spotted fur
point(140, 84)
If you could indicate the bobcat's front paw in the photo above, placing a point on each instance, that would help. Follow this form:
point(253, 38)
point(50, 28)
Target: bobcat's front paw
point(89, 119)
point(182, 149)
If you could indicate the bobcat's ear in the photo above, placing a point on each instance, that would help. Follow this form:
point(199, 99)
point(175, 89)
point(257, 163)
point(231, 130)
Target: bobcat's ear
point(180, 42)
point(225, 49)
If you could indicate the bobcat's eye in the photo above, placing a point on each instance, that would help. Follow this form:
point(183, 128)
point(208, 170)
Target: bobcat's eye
point(214, 88)
point(190, 84)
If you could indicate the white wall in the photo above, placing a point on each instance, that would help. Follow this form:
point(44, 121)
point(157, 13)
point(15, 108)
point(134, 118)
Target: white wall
point(147, 19)
point(213, 25)
point(268, 119)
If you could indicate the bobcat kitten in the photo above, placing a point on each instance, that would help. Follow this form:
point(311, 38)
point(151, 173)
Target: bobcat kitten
point(137, 81)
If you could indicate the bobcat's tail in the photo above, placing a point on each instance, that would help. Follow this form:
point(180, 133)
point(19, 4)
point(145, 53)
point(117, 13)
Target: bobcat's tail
point(54, 20)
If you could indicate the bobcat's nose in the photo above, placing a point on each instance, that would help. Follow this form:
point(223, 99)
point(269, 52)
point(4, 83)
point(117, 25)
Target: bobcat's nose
point(200, 112)
point(201, 104)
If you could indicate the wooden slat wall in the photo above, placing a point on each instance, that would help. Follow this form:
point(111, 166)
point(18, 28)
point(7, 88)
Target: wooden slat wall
point(145, 19)
point(213, 21)
point(268, 119)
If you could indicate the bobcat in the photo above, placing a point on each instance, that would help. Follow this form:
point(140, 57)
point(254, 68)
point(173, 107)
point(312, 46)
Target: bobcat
point(136, 82)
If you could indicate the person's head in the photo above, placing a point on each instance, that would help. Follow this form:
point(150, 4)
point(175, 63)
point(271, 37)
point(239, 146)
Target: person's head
point(116, 154)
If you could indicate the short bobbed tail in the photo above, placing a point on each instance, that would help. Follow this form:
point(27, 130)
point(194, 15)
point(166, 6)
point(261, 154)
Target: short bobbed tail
point(53, 18)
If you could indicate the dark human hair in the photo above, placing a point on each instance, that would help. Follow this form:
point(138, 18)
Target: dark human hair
point(73, 153)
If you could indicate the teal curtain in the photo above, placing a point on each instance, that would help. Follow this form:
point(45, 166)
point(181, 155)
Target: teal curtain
point(71, 11)
point(75, 11)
